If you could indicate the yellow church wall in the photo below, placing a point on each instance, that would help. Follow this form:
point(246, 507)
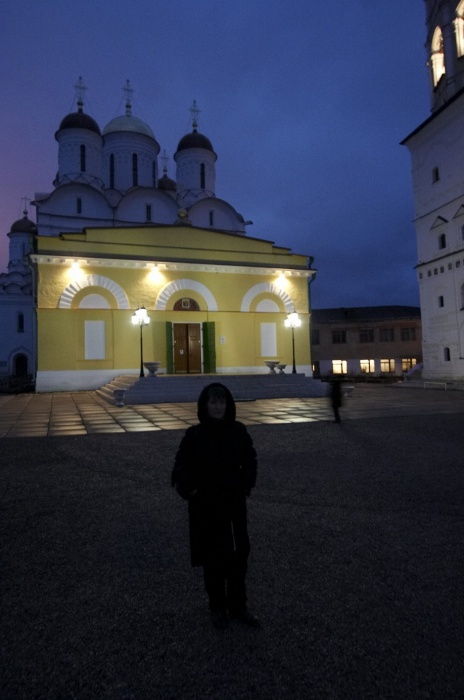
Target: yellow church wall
point(61, 342)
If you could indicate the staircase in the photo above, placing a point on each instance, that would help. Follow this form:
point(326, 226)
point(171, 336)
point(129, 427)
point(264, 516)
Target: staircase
point(187, 388)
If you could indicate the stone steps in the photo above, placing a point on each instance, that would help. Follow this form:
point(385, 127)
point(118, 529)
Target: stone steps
point(186, 388)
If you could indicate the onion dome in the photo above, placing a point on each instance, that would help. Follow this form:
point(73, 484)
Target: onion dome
point(79, 120)
point(127, 121)
point(165, 183)
point(195, 139)
point(24, 225)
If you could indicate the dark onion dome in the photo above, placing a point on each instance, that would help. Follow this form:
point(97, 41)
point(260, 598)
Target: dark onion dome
point(195, 140)
point(79, 120)
point(24, 225)
point(165, 183)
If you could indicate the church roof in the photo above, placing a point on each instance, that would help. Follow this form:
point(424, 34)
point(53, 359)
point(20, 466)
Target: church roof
point(364, 313)
point(165, 183)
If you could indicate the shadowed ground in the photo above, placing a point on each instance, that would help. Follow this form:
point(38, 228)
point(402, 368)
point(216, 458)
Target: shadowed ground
point(356, 567)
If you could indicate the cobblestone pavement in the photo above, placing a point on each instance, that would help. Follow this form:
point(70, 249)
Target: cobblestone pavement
point(83, 413)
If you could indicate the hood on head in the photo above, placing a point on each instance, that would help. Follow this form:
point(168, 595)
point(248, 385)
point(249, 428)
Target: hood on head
point(202, 410)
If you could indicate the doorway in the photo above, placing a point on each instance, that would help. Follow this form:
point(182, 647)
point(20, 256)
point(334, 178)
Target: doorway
point(187, 348)
point(20, 366)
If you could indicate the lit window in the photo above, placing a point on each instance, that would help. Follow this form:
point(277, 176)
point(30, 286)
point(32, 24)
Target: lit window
point(367, 366)
point(387, 366)
point(339, 366)
point(459, 28)
point(387, 335)
point(408, 363)
point(437, 59)
point(338, 337)
point(366, 335)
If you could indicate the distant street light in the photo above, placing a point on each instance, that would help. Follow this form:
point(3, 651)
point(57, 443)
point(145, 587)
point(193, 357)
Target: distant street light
point(141, 318)
point(293, 321)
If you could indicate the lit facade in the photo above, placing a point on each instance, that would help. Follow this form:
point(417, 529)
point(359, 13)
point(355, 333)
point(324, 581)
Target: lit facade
point(436, 148)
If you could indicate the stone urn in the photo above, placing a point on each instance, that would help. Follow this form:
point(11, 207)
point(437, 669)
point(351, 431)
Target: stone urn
point(272, 364)
point(152, 368)
point(281, 368)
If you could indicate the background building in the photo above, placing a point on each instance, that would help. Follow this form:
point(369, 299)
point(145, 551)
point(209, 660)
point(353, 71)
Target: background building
point(365, 341)
point(436, 148)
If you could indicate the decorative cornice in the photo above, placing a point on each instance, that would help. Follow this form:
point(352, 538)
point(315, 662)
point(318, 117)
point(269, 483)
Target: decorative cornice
point(134, 264)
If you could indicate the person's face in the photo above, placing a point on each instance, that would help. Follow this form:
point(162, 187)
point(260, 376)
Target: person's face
point(216, 407)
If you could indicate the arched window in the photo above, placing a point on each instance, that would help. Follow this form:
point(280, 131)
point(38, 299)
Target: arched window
point(154, 173)
point(459, 28)
point(202, 176)
point(135, 172)
point(112, 171)
point(447, 354)
point(437, 59)
point(82, 150)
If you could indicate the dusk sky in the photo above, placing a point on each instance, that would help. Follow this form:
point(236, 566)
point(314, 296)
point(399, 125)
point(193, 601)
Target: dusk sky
point(305, 104)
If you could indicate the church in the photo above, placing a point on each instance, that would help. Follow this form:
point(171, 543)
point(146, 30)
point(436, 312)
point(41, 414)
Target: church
point(436, 149)
point(116, 239)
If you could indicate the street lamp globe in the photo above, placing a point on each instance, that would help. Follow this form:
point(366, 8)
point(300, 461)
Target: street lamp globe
point(141, 318)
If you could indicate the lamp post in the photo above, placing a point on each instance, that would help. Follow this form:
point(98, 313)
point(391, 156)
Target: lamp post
point(141, 318)
point(293, 321)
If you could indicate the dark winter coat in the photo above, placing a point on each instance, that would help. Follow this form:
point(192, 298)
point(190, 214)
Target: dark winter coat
point(215, 469)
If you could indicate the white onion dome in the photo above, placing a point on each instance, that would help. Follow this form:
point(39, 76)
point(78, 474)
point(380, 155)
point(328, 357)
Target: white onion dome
point(127, 122)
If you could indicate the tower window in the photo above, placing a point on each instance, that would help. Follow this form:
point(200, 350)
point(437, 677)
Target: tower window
point(112, 171)
point(459, 28)
point(442, 241)
point(82, 152)
point(437, 59)
point(211, 218)
point(20, 323)
point(441, 302)
point(446, 354)
point(148, 212)
point(79, 205)
point(435, 175)
point(154, 173)
point(135, 172)
point(202, 176)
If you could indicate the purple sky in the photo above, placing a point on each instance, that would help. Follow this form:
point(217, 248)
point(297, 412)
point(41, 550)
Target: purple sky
point(305, 104)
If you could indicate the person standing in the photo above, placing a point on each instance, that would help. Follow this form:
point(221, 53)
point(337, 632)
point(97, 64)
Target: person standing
point(336, 397)
point(215, 469)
